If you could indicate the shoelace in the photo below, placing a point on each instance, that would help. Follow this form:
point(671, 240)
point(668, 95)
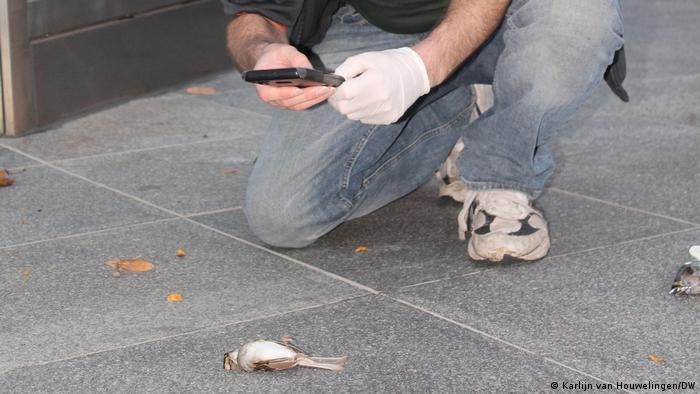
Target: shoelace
point(469, 198)
point(502, 204)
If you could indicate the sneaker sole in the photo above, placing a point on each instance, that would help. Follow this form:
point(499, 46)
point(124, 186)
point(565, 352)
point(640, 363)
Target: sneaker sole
point(504, 255)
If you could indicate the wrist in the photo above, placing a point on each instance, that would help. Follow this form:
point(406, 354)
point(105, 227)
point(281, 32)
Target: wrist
point(435, 71)
point(260, 48)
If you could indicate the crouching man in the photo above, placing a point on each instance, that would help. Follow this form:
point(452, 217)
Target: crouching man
point(337, 154)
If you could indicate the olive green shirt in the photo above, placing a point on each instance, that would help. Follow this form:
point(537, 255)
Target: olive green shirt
point(404, 17)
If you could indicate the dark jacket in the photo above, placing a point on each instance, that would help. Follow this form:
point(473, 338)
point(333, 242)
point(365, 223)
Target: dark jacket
point(310, 19)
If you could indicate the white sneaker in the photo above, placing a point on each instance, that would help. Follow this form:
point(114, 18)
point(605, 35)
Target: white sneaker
point(504, 226)
point(452, 185)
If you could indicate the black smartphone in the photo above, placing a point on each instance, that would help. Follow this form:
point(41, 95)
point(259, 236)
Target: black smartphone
point(301, 77)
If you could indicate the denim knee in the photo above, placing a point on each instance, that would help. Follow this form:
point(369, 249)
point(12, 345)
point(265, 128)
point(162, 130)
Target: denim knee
point(291, 215)
point(560, 55)
point(276, 224)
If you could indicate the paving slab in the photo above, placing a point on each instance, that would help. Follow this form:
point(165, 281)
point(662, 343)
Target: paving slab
point(163, 120)
point(662, 85)
point(664, 104)
point(232, 91)
point(667, 101)
point(661, 38)
point(603, 312)
point(661, 175)
point(614, 129)
point(187, 179)
point(10, 159)
point(415, 239)
point(43, 203)
point(577, 223)
point(409, 241)
point(391, 348)
point(60, 300)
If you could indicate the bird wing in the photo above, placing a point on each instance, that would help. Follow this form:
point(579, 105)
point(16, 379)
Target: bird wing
point(290, 346)
point(275, 364)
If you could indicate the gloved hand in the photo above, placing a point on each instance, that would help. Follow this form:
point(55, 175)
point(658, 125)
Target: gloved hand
point(380, 86)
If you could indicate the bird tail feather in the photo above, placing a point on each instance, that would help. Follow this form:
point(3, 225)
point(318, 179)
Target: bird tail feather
point(329, 363)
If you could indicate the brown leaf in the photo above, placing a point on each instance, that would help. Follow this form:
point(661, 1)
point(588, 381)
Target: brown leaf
point(23, 221)
point(361, 249)
point(201, 90)
point(229, 171)
point(132, 265)
point(657, 359)
point(174, 297)
point(4, 180)
point(181, 253)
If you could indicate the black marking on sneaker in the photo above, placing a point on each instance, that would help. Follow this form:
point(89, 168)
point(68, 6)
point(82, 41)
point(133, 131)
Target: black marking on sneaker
point(525, 228)
point(486, 227)
point(508, 259)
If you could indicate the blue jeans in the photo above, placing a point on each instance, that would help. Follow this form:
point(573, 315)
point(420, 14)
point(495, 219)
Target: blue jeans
point(317, 169)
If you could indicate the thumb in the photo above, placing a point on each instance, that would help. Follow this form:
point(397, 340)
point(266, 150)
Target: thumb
point(352, 67)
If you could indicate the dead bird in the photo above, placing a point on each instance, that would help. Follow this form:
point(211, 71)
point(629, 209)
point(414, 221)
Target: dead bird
point(266, 355)
point(688, 279)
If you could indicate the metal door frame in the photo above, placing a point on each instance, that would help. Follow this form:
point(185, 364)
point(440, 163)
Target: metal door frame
point(172, 41)
point(16, 68)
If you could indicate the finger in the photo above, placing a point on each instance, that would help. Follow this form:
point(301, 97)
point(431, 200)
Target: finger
point(357, 96)
point(355, 106)
point(380, 118)
point(363, 86)
point(352, 66)
point(271, 93)
point(363, 113)
point(308, 104)
point(309, 94)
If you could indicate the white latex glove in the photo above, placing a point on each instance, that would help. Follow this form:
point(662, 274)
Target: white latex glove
point(380, 86)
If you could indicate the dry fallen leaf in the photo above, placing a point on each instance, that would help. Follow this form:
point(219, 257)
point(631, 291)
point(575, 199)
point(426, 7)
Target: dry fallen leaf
point(23, 221)
point(181, 253)
point(4, 180)
point(174, 297)
point(229, 171)
point(657, 359)
point(201, 90)
point(132, 265)
point(361, 249)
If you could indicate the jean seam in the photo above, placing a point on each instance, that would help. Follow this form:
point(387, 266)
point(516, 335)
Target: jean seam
point(350, 164)
point(425, 136)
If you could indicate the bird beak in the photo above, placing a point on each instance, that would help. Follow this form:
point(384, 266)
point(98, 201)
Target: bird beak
point(231, 362)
